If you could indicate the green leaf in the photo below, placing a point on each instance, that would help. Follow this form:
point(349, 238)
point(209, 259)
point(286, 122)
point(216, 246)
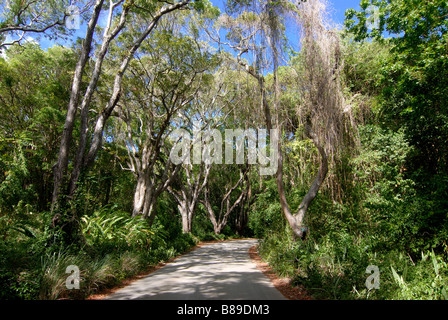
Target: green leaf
point(445, 294)
point(434, 263)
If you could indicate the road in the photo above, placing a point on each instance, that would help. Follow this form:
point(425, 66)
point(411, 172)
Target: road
point(217, 271)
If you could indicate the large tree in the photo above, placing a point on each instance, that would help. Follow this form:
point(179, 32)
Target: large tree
point(145, 15)
point(170, 76)
point(319, 110)
point(224, 194)
point(21, 19)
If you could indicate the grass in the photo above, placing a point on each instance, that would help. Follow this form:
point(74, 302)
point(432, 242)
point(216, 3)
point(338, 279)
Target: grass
point(336, 269)
point(116, 247)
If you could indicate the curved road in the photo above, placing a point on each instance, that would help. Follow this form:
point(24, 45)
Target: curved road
point(218, 271)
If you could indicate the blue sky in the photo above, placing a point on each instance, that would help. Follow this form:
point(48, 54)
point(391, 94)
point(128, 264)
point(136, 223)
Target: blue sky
point(337, 11)
point(338, 8)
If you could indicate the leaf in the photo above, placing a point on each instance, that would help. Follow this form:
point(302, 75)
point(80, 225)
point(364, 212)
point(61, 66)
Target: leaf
point(398, 279)
point(23, 229)
point(445, 294)
point(434, 263)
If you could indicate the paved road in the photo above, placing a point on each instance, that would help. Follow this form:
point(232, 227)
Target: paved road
point(218, 271)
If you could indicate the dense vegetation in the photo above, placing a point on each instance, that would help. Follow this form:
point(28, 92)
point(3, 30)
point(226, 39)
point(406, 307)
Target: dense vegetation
point(87, 177)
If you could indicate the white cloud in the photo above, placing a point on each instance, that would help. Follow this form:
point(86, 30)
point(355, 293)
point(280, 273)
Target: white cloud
point(31, 40)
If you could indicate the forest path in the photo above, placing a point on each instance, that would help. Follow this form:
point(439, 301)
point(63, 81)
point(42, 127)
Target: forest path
point(216, 271)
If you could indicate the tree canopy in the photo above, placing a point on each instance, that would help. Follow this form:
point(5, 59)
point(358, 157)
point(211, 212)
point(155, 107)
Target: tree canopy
point(160, 124)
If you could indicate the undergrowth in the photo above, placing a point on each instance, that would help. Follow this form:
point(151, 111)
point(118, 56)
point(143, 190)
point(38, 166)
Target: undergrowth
point(335, 267)
point(116, 247)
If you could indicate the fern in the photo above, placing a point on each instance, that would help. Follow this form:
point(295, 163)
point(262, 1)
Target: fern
point(115, 227)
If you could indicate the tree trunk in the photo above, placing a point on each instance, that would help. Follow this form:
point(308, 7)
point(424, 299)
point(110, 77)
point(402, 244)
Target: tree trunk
point(150, 201)
point(186, 217)
point(187, 197)
point(211, 214)
point(105, 114)
point(139, 195)
point(221, 222)
point(247, 200)
point(295, 221)
point(61, 165)
point(107, 39)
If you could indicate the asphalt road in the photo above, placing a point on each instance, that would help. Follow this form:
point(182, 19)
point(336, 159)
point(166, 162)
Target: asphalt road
point(218, 271)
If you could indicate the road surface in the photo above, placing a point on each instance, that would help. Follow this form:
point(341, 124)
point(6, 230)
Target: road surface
point(217, 271)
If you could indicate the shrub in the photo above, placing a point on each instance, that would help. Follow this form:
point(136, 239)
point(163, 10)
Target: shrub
point(115, 229)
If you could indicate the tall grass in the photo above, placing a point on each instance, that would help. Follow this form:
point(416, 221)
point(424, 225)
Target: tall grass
point(116, 247)
point(335, 268)
point(95, 273)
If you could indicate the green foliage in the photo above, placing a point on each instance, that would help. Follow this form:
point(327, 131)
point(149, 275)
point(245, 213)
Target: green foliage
point(34, 17)
point(34, 90)
point(413, 93)
point(334, 267)
point(206, 8)
point(383, 222)
point(383, 203)
point(172, 240)
point(265, 216)
point(363, 64)
point(116, 247)
point(15, 169)
point(111, 227)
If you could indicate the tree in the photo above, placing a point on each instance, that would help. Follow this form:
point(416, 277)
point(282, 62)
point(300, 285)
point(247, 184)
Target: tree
point(320, 108)
point(207, 113)
point(413, 95)
point(414, 78)
point(22, 18)
point(170, 77)
point(154, 12)
point(66, 137)
point(187, 193)
point(34, 90)
point(234, 192)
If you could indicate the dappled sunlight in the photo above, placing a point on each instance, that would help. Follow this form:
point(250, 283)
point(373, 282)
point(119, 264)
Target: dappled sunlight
point(214, 271)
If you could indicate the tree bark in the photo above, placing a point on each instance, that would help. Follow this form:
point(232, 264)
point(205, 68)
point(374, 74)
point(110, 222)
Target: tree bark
point(61, 165)
point(105, 114)
point(107, 39)
point(187, 197)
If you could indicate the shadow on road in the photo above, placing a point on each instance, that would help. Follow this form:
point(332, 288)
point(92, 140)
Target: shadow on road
point(219, 271)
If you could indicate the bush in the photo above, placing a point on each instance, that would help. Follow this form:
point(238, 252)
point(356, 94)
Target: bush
point(33, 261)
point(265, 216)
point(334, 267)
point(111, 228)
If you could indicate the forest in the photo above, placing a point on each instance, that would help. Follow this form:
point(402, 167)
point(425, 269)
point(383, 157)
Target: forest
point(132, 130)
